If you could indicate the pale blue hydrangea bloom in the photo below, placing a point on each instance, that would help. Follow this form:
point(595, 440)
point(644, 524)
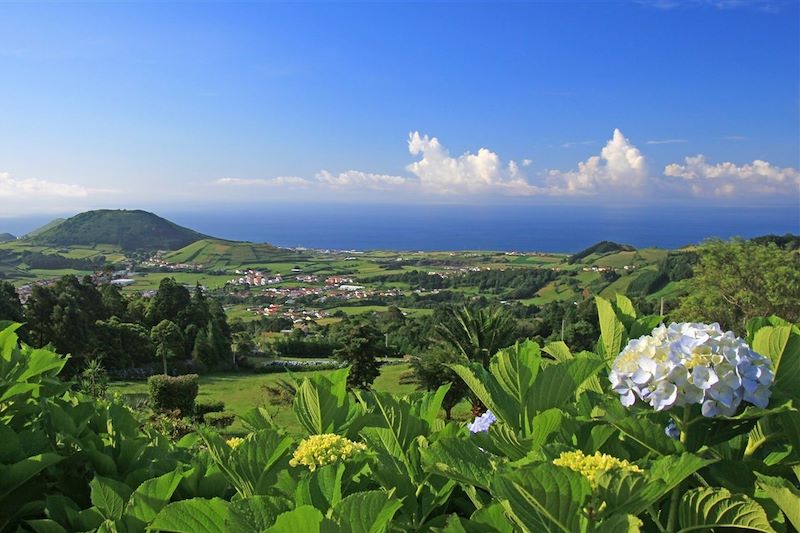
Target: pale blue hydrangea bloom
point(482, 423)
point(672, 430)
point(691, 363)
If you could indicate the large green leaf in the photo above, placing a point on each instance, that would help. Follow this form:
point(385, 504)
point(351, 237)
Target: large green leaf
point(781, 345)
point(367, 512)
point(252, 466)
point(673, 469)
point(322, 404)
point(305, 519)
point(459, 459)
point(543, 497)
point(714, 508)
point(556, 385)
point(321, 488)
point(109, 496)
point(485, 387)
point(14, 475)
point(612, 330)
point(558, 350)
point(648, 434)
point(515, 369)
point(621, 523)
point(197, 515)
point(148, 499)
point(256, 513)
point(785, 494)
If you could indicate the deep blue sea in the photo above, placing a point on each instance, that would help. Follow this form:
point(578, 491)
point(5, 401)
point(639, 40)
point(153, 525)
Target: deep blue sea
point(520, 228)
point(449, 227)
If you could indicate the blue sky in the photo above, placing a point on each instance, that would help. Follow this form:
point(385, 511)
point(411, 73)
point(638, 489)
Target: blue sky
point(182, 105)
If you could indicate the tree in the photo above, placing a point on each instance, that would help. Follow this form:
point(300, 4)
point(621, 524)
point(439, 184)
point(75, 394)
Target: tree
point(169, 303)
point(431, 372)
point(168, 340)
point(477, 335)
point(112, 300)
point(242, 345)
point(10, 306)
point(363, 343)
point(737, 280)
point(203, 352)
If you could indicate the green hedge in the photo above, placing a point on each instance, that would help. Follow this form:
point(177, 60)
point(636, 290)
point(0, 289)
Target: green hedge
point(219, 420)
point(169, 393)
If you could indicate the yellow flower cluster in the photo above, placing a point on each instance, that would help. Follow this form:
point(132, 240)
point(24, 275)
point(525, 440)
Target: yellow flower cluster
point(591, 466)
point(233, 442)
point(320, 450)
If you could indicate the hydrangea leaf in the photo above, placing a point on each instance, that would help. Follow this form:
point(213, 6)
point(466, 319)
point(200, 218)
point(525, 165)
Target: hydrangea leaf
point(543, 497)
point(716, 508)
point(785, 494)
point(461, 460)
point(197, 515)
point(367, 512)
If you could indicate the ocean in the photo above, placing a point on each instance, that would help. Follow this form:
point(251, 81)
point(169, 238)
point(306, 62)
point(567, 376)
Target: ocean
point(450, 227)
point(506, 228)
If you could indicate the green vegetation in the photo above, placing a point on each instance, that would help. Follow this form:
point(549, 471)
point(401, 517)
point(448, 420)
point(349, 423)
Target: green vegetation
point(739, 280)
point(558, 452)
point(129, 230)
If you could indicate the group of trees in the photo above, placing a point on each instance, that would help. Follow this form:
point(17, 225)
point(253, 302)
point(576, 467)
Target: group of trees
point(92, 322)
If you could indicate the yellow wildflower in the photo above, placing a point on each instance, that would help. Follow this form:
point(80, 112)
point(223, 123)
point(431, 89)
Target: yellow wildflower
point(591, 466)
point(320, 450)
point(233, 442)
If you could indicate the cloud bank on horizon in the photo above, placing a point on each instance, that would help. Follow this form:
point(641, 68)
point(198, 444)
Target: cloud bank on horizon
point(619, 171)
point(620, 167)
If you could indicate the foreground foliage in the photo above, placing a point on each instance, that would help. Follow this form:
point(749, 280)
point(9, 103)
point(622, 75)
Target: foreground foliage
point(559, 453)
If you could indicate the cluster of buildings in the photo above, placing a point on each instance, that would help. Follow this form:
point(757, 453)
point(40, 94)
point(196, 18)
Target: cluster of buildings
point(255, 278)
point(606, 268)
point(297, 316)
point(157, 261)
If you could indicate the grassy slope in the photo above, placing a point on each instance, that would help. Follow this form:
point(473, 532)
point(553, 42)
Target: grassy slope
point(242, 392)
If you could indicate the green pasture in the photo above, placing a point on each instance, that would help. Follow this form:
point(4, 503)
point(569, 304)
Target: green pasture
point(241, 392)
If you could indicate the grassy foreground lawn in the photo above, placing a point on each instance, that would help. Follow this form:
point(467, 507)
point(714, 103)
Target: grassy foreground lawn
point(243, 391)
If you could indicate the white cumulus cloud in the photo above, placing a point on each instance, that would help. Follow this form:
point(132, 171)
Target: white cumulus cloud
point(278, 181)
point(728, 179)
point(357, 178)
point(15, 188)
point(619, 165)
point(440, 173)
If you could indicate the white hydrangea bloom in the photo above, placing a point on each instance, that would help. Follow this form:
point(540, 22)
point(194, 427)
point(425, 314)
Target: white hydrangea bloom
point(690, 363)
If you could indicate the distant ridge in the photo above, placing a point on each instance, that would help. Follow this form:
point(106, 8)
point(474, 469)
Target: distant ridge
point(5, 237)
point(52, 224)
point(601, 248)
point(129, 229)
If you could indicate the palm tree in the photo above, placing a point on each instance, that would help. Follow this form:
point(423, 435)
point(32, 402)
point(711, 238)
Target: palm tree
point(477, 334)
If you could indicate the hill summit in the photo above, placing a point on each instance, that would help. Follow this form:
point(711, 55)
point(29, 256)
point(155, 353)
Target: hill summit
point(601, 248)
point(128, 229)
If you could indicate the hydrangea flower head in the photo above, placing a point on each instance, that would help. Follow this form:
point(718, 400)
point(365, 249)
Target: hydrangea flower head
point(690, 363)
point(591, 466)
point(482, 422)
point(320, 450)
point(233, 442)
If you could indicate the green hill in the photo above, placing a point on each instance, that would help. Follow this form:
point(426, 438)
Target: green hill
point(130, 230)
point(599, 249)
point(52, 224)
point(5, 237)
point(218, 254)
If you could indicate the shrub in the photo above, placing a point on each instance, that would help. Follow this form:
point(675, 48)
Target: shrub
point(169, 393)
point(219, 420)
